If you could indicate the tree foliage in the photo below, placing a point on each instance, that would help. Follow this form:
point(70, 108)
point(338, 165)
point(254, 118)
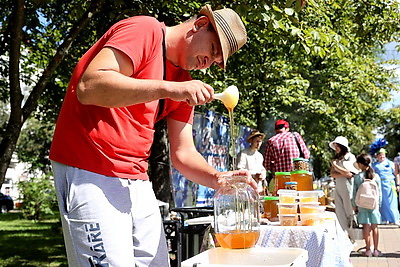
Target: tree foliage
point(316, 66)
point(38, 197)
point(391, 131)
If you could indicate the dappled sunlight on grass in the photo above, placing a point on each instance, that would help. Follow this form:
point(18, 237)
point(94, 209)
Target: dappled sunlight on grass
point(26, 243)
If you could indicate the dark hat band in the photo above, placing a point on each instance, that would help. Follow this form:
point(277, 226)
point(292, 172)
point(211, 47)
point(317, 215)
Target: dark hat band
point(233, 45)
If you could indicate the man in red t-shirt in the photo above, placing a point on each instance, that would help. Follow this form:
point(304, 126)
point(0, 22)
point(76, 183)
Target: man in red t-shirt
point(105, 130)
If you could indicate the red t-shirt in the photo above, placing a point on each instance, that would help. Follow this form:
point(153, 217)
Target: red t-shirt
point(117, 141)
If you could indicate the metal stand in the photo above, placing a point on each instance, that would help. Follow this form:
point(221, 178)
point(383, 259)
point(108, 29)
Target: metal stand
point(173, 235)
point(192, 235)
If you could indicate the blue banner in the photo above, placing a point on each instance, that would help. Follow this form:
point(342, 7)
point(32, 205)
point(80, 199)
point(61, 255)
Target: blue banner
point(211, 137)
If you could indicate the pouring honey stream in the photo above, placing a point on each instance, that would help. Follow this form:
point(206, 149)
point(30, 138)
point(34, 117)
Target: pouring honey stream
point(230, 98)
point(243, 235)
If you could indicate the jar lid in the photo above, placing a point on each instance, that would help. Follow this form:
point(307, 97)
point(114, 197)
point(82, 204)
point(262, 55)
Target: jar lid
point(271, 198)
point(282, 173)
point(291, 183)
point(298, 171)
point(299, 159)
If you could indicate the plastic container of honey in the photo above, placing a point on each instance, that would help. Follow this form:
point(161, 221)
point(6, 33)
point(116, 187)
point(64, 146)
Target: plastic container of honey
point(270, 206)
point(285, 208)
point(308, 196)
point(280, 179)
point(287, 196)
point(311, 207)
point(303, 179)
point(288, 219)
point(310, 219)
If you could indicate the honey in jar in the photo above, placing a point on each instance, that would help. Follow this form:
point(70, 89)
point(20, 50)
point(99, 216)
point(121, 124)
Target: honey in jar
point(238, 239)
point(291, 185)
point(303, 179)
point(280, 179)
point(270, 206)
point(236, 214)
point(300, 164)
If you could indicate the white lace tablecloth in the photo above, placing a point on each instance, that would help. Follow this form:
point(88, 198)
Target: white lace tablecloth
point(327, 244)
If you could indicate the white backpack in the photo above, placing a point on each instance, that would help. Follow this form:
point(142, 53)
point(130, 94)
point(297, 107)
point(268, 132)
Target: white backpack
point(367, 195)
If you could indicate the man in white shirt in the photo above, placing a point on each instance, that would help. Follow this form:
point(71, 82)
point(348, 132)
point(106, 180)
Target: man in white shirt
point(252, 160)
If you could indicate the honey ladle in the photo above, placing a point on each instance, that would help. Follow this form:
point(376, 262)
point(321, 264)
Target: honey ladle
point(229, 97)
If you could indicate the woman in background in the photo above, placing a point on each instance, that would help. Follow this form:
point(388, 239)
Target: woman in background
point(389, 175)
point(343, 181)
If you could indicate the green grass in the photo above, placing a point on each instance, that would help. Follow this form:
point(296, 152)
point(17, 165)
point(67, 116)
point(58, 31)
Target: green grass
point(26, 243)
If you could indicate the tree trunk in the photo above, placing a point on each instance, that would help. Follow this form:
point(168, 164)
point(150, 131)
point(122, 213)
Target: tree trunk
point(20, 114)
point(159, 164)
point(7, 147)
point(15, 121)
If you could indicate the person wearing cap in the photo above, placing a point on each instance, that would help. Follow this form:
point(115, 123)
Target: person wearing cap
point(343, 169)
point(135, 75)
point(390, 179)
point(252, 160)
point(283, 147)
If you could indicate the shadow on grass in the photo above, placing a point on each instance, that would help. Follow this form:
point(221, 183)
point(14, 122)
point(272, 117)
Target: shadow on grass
point(11, 216)
point(27, 243)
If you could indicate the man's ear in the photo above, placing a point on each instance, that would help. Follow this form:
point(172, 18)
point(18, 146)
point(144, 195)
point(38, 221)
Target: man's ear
point(200, 22)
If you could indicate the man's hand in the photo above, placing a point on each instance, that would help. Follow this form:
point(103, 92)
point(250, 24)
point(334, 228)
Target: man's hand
point(193, 92)
point(249, 180)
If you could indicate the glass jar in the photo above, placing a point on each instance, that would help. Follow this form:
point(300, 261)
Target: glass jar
point(270, 208)
point(236, 214)
point(291, 185)
point(301, 164)
point(280, 179)
point(303, 179)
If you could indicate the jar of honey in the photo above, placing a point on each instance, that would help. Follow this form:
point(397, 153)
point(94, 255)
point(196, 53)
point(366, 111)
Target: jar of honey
point(300, 164)
point(303, 179)
point(236, 214)
point(280, 179)
point(291, 185)
point(270, 206)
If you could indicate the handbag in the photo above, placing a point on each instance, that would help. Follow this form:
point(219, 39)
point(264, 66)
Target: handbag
point(298, 145)
point(355, 231)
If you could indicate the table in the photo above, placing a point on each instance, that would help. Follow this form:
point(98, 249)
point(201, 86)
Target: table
point(327, 244)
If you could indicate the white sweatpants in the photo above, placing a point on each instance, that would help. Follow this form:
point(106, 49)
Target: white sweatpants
point(109, 221)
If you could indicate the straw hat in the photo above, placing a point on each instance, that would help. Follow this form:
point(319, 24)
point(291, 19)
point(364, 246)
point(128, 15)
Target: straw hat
point(230, 29)
point(340, 140)
point(255, 133)
point(351, 166)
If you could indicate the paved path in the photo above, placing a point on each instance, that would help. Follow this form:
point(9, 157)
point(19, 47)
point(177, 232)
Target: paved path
point(389, 244)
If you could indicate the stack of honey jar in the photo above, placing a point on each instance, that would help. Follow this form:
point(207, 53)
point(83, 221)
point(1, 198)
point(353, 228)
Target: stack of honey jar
point(305, 202)
point(294, 208)
point(293, 196)
point(299, 178)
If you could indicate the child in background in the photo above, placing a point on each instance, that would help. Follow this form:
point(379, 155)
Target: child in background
point(368, 218)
